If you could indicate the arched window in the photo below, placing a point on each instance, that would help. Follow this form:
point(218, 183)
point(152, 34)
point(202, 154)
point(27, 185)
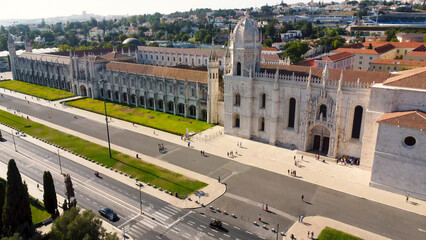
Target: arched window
point(151, 103)
point(109, 94)
point(142, 99)
point(323, 110)
point(238, 69)
point(204, 95)
point(102, 92)
point(116, 96)
point(262, 100)
point(204, 115)
point(356, 126)
point(181, 109)
point(237, 99)
point(133, 99)
point(261, 124)
point(236, 120)
point(291, 113)
point(192, 111)
point(160, 104)
point(170, 106)
point(124, 97)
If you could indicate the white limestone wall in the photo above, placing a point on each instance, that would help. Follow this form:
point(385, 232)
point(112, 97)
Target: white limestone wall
point(398, 167)
point(385, 99)
point(221, 113)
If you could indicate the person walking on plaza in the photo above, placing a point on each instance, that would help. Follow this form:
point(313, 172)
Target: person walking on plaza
point(303, 197)
point(309, 233)
point(408, 197)
point(312, 234)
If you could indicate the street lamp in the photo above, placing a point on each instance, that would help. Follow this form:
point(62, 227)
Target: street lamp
point(14, 143)
point(60, 165)
point(106, 121)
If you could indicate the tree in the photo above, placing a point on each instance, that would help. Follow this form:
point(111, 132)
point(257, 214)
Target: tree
point(200, 34)
point(2, 198)
point(307, 29)
point(270, 30)
point(17, 212)
point(370, 46)
point(295, 50)
point(49, 195)
point(74, 224)
point(424, 38)
point(69, 189)
point(267, 42)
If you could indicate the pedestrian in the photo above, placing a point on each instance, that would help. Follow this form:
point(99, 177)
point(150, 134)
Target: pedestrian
point(201, 152)
point(227, 154)
point(295, 163)
point(263, 206)
point(153, 132)
point(312, 234)
point(309, 233)
point(288, 172)
point(236, 153)
point(260, 218)
point(238, 144)
point(408, 197)
point(303, 197)
point(218, 179)
point(181, 137)
point(295, 173)
point(189, 143)
point(294, 157)
point(266, 207)
point(37, 186)
point(298, 219)
point(301, 218)
point(302, 157)
point(137, 155)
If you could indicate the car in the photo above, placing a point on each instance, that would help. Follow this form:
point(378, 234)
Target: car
point(108, 213)
point(216, 224)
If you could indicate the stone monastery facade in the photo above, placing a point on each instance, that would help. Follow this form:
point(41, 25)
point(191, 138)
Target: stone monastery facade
point(376, 117)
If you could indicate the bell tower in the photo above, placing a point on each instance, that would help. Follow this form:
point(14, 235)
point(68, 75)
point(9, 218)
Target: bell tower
point(213, 86)
point(244, 49)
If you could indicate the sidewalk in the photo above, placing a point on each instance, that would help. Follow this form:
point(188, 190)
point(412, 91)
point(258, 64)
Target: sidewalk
point(317, 224)
point(349, 179)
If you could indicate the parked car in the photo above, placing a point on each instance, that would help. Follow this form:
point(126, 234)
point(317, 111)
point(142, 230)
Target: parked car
point(216, 224)
point(108, 213)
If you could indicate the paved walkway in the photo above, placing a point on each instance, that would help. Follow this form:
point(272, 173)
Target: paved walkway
point(316, 224)
point(349, 179)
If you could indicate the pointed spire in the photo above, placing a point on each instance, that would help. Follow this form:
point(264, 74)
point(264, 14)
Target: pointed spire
point(324, 76)
point(340, 81)
point(213, 55)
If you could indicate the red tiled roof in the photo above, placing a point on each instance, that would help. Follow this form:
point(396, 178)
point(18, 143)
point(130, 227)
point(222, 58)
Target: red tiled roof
point(337, 57)
point(167, 72)
point(269, 49)
point(400, 62)
point(333, 74)
point(411, 119)
point(395, 44)
point(416, 53)
point(384, 48)
point(414, 78)
point(357, 51)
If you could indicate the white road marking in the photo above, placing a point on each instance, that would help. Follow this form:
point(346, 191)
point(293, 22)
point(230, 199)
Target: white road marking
point(422, 230)
point(225, 223)
point(237, 228)
point(214, 230)
point(128, 221)
point(249, 232)
point(211, 234)
point(199, 228)
point(226, 235)
point(203, 226)
point(261, 237)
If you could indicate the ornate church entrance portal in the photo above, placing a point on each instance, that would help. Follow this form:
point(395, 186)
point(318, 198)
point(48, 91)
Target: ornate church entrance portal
point(319, 139)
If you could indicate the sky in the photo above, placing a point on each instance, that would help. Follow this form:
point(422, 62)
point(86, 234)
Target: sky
point(30, 9)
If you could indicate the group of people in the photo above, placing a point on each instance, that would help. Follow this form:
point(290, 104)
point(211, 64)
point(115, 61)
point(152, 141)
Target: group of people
point(292, 172)
point(231, 154)
point(348, 160)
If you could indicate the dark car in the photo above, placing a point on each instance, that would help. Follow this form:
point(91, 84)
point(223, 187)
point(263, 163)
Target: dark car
point(108, 213)
point(216, 224)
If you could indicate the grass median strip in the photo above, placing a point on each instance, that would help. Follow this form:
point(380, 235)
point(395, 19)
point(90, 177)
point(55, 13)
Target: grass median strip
point(329, 233)
point(143, 171)
point(35, 90)
point(150, 118)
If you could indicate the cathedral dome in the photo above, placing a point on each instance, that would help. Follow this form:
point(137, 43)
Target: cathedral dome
point(132, 41)
point(246, 34)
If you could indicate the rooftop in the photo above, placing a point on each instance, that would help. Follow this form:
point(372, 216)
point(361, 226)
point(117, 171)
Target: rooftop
point(414, 78)
point(400, 62)
point(411, 119)
point(167, 72)
point(338, 56)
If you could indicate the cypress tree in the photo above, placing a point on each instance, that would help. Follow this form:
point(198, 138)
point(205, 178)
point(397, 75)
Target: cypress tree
point(2, 198)
point(17, 211)
point(49, 195)
point(69, 189)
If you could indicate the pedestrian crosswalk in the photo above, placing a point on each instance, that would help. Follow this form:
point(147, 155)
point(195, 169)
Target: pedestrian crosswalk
point(154, 219)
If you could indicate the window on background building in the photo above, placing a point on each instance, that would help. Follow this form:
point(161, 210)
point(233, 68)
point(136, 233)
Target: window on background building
point(262, 100)
point(262, 124)
point(236, 121)
point(238, 69)
point(323, 111)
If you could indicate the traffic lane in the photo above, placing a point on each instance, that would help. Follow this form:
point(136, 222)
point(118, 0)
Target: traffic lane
point(103, 183)
point(247, 213)
point(86, 198)
point(371, 216)
point(183, 156)
point(201, 222)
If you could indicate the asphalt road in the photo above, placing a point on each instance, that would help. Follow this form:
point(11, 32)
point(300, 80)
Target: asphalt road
point(160, 219)
point(248, 186)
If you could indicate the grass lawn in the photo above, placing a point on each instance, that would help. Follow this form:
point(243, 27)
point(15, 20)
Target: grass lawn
point(36, 90)
point(332, 234)
point(150, 118)
point(139, 169)
point(37, 211)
